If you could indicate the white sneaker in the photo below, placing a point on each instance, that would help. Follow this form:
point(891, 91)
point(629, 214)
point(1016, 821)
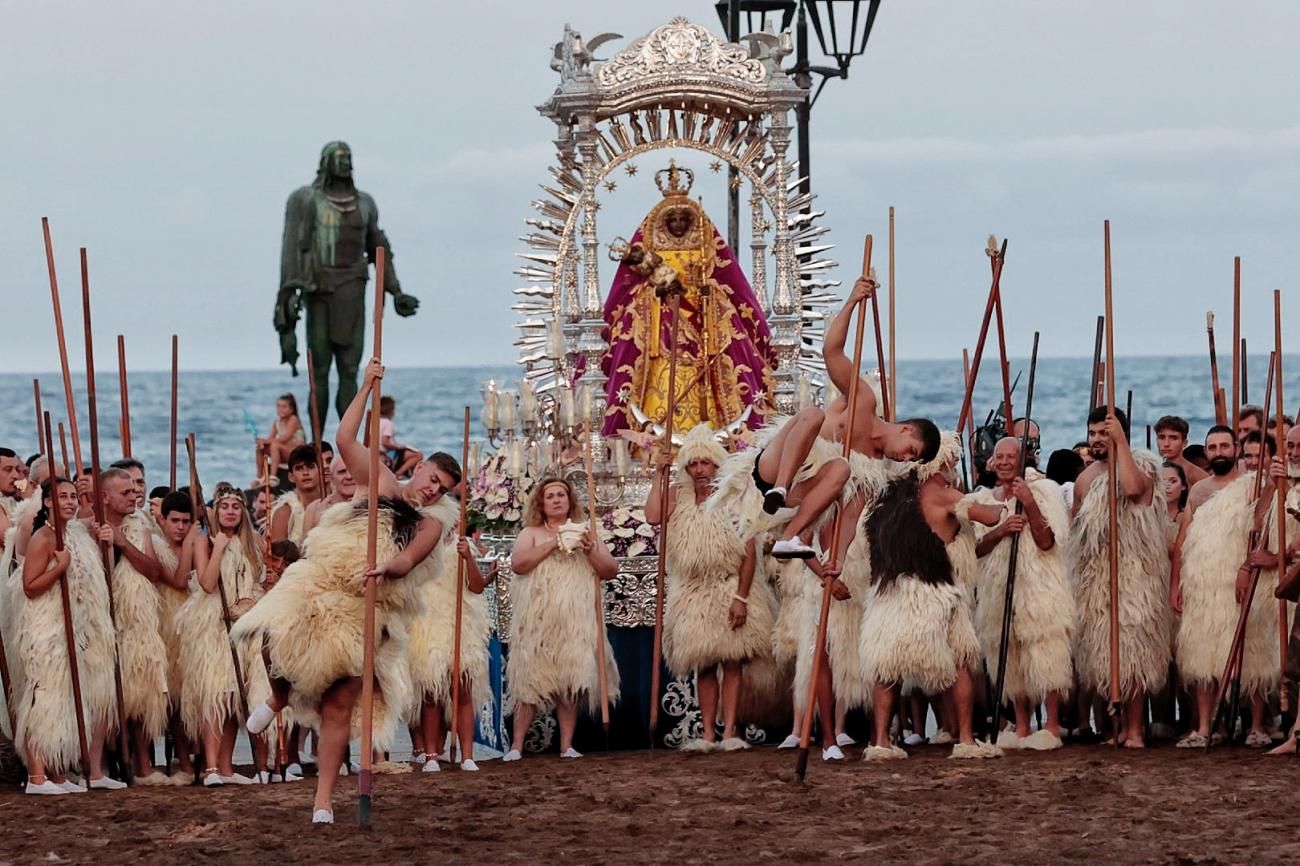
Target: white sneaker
point(469, 766)
point(790, 742)
point(46, 788)
point(343, 770)
point(260, 718)
point(431, 766)
point(512, 755)
point(293, 773)
point(570, 753)
point(237, 779)
point(913, 740)
point(211, 780)
point(322, 816)
point(72, 787)
point(355, 767)
point(842, 740)
point(832, 753)
point(104, 783)
point(262, 777)
point(792, 548)
point(419, 758)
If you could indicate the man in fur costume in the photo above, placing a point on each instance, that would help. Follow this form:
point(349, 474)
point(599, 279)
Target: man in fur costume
point(140, 646)
point(1144, 626)
point(1286, 471)
point(916, 622)
point(342, 488)
point(289, 512)
point(1039, 668)
point(10, 475)
point(311, 623)
point(719, 609)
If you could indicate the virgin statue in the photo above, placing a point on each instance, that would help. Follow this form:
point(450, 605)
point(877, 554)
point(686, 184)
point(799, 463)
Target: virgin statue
point(724, 356)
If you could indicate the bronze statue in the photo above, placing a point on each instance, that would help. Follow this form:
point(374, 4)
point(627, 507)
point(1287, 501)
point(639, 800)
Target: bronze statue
point(331, 232)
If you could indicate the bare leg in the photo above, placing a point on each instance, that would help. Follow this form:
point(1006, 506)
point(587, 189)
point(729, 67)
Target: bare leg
point(826, 703)
point(523, 720)
point(97, 739)
point(882, 701)
point(964, 695)
point(731, 684)
point(226, 762)
point(706, 685)
point(817, 494)
point(789, 449)
point(566, 712)
point(335, 731)
point(212, 749)
point(465, 724)
point(1134, 719)
point(435, 732)
point(261, 752)
point(1204, 709)
point(1024, 716)
point(142, 747)
point(841, 713)
point(182, 745)
point(1054, 713)
point(1259, 715)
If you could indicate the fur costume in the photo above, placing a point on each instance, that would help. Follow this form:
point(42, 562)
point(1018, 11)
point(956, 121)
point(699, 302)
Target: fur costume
point(433, 628)
point(46, 716)
point(1144, 615)
point(1213, 550)
point(553, 640)
point(140, 647)
point(297, 515)
point(211, 695)
point(1043, 616)
point(170, 600)
point(11, 587)
point(312, 620)
point(704, 556)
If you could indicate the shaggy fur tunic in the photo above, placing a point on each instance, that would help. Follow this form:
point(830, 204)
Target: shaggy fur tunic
point(312, 620)
point(1144, 615)
point(1043, 615)
point(211, 695)
point(703, 567)
point(433, 628)
point(140, 647)
point(170, 600)
point(553, 640)
point(46, 715)
point(297, 515)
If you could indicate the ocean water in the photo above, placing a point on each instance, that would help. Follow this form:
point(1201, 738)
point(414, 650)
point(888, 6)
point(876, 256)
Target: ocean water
point(430, 403)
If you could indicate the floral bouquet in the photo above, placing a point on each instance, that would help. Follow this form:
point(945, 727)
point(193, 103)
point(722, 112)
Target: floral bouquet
point(496, 498)
point(627, 534)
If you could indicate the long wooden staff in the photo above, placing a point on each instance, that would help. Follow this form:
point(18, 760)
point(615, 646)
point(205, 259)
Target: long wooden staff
point(674, 295)
point(1236, 339)
point(1008, 597)
point(1112, 497)
point(893, 357)
point(1245, 369)
point(602, 673)
point(1283, 628)
point(1231, 678)
point(106, 547)
point(998, 259)
point(970, 438)
point(819, 648)
point(886, 404)
point(69, 632)
point(1093, 393)
point(63, 449)
point(175, 416)
point(364, 780)
point(460, 600)
point(40, 425)
point(126, 401)
point(995, 262)
point(196, 500)
point(1220, 411)
point(313, 405)
point(63, 348)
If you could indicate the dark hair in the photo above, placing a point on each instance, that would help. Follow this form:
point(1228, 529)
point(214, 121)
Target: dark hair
point(47, 492)
point(302, 454)
point(1096, 416)
point(1256, 436)
point(33, 459)
point(387, 405)
point(1194, 453)
point(1064, 466)
point(901, 540)
point(1182, 476)
point(1249, 411)
point(291, 400)
point(8, 452)
point(286, 550)
point(326, 448)
point(159, 492)
point(1220, 428)
point(177, 501)
point(127, 463)
point(446, 463)
point(929, 434)
point(1077, 445)
point(1174, 423)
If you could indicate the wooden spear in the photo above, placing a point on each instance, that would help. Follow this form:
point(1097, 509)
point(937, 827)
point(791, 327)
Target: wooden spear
point(364, 779)
point(106, 547)
point(1245, 369)
point(995, 262)
point(316, 432)
point(1094, 394)
point(456, 744)
point(1283, 628)
point(63, 348)
point(69, 631)
point(886, 404)
point(969, 437)
point(63, 449)
point(40, 428)
point(1112, 501)
point(175, 417)
point(999, 257)
point(126, 401)
point(893, 356)
point(601, 662)
point(1220, 410)
point(819, 648)
point(1236, 339)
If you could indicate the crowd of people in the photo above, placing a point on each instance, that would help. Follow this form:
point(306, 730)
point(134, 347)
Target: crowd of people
point(243, 615)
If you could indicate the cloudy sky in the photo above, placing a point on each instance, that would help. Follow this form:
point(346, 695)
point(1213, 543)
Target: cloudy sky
point(165, 136)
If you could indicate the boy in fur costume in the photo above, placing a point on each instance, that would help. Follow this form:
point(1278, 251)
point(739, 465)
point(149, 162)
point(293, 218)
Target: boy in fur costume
point(916, 623)
point(46, 735)
point(1039, 668)
point(554, 643)
point(719, 609)
point(433, 631)
point(288, 518)
point(140, 647)
point(310, 624)
point(1144, 615)
point(1203, 587)
point(174, 544)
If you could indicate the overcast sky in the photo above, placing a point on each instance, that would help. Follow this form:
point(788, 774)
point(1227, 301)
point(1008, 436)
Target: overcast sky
point(165, 136)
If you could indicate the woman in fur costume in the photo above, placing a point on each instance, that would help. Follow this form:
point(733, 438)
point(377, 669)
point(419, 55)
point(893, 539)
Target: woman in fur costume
point(46, 735)
point(1144, 614)
point(433, 631)
point(1039, 668)
point(719, 610)
point(558, 567)
point(210, 709)
point(311, 624)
